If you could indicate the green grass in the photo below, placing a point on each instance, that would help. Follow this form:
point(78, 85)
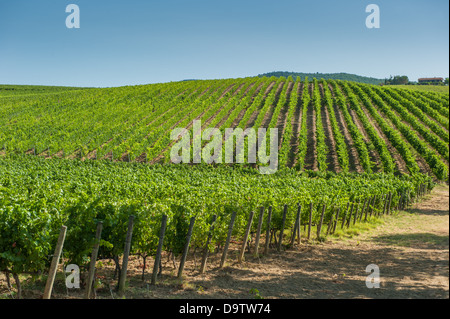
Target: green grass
point(7, 90)
point(425, 88)
point(356, 229)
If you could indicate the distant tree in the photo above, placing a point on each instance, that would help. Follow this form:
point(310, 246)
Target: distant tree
point(397, 80)
point(446, 81)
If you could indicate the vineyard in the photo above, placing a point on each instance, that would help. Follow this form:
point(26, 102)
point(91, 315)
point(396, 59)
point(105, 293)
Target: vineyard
point(347, 153)
point(323, 125)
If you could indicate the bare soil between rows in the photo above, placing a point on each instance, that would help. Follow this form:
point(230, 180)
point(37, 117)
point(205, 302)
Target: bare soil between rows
point(411, 250)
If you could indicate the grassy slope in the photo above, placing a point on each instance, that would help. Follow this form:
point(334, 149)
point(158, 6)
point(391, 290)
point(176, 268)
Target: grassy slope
point(130, 105)
point(426, 88)
point(16, 90)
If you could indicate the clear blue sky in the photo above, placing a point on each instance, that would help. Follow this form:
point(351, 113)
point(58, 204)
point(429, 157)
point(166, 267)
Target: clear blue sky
point(146, 41)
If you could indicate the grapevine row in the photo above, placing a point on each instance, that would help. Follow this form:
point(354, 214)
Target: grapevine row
point(341, 146)
point(321, 146)
point(79, 194)
point(288, 131)
point(358, 138)
point(378, 142)
point(440, 146)
point(303, 136)
point(435, 164)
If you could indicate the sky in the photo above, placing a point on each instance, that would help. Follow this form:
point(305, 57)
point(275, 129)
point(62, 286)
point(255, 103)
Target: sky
point(146, 41)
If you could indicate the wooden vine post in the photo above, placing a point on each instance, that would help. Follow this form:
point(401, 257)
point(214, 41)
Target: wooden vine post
point(373, 205)
point(385, 203)
point(258, 231)
point(319, 227)
point(297, 226)
point(162, 232)
point(345, 216)
point(400, 201)
point(54, 264)
point(381, 204)
point(350, 216)
point(247, 232)
point(269, 219)
point(377, 205)
point(310, 220)
point(94, 255)
point(283, 222)
point(330, 222)
point(369, 207)
point(186, 247)
point(369, 204)
point(337, 219)
point(227, 242)
point(389, 204)
point(356, 211)
point(407, 199)
point(208, 241)
point(363, 209)
point(299, 221)
point(126, 253)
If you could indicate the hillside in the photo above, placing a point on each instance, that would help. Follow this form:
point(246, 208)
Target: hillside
point(327, 76)
point(324, 125)
point(9, 90)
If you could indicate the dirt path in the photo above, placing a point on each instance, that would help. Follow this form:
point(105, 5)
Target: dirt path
point(411, 251)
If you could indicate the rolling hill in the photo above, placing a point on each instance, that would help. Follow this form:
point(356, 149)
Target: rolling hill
point(327, 76)
point(324, 125)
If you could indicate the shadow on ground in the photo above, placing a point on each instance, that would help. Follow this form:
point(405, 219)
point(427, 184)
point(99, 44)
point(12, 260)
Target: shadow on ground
point(335, 273)
point(428, 211)
point(417, 240)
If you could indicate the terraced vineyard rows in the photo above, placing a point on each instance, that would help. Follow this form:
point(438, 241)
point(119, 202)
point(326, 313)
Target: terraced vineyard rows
point(339, 126)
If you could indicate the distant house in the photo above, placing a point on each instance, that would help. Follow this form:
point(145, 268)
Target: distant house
point(431, 80)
